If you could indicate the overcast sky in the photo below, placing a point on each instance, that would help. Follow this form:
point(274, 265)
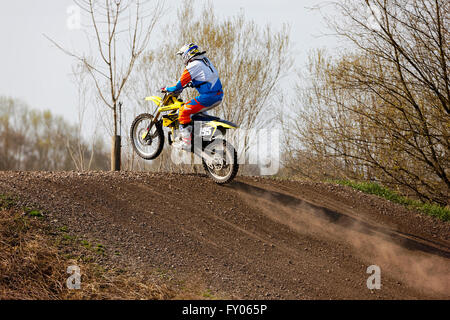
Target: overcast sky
point(33, 70)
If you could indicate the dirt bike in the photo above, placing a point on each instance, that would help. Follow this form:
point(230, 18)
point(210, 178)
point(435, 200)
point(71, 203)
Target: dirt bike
point(219, 157)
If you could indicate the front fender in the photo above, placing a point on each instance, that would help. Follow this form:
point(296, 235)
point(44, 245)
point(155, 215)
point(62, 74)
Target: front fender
point(155, 99)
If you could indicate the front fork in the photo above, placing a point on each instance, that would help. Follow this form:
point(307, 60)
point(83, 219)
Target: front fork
point(150, 126)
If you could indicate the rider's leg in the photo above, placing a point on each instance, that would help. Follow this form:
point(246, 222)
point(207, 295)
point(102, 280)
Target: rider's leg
point(194, 106)
point(184, 139)
point(188, 109)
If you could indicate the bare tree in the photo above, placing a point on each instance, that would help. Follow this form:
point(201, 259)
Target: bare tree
point(79, 151)
point(120, 31)
point(381, 111)
point(37, 140)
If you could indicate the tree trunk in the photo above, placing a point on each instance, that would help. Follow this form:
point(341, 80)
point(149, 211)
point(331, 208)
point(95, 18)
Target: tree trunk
point(115, 153)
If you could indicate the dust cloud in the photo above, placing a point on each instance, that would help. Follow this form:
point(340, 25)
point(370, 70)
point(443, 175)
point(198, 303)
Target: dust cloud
point(373, 244)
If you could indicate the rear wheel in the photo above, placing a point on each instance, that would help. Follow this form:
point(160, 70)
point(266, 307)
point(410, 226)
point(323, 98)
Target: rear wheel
point(147, 146)
point(223, 166)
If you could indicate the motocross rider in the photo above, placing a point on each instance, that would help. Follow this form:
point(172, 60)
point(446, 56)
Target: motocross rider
point(205, 78)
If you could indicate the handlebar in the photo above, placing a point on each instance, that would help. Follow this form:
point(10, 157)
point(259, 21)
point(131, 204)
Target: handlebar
point(189, 85)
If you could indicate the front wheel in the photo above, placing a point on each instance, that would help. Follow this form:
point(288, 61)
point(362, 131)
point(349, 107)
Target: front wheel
point(223, 165)
point(147, 145)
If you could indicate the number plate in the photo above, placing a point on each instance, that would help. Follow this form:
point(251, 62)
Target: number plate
point(206, 131)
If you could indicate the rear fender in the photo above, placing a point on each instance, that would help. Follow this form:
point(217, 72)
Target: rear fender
point(213, 129)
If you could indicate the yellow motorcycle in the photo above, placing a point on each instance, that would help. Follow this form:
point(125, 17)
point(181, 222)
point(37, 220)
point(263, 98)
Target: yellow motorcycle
point(219, 157)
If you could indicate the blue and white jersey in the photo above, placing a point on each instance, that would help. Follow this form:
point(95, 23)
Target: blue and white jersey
point(203, 75)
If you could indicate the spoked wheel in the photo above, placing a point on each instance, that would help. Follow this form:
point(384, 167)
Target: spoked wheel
point(147, 146)
point(223, 166)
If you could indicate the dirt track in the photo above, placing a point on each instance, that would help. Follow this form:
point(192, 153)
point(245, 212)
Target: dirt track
point(256, 238)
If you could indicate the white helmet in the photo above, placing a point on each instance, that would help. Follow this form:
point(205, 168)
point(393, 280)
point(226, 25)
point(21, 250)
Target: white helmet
point(189, 51)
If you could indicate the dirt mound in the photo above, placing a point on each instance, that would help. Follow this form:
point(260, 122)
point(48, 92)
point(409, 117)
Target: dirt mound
point(255, 238)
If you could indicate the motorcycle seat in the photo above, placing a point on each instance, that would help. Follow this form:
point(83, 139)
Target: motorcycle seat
point(203, 117)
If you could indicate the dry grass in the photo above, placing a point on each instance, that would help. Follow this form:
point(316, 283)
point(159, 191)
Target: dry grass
point(34, 260)
point(29, 269)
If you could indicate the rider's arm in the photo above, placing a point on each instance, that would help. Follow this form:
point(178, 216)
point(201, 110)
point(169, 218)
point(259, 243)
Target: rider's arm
point(184, 80)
